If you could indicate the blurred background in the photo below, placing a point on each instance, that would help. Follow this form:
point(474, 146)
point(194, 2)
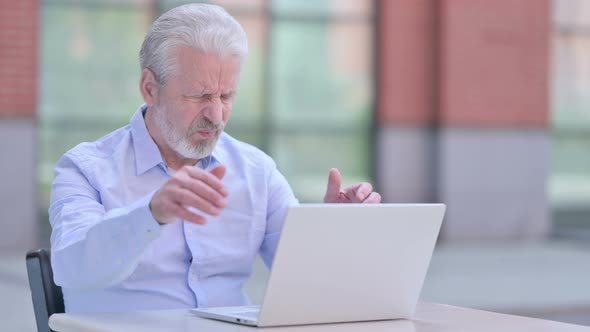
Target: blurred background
point(482, 105)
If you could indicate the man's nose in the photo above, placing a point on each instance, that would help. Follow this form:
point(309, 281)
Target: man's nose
point(214, 111)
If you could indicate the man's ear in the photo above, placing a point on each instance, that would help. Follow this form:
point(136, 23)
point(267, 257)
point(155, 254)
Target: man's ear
point(148, 86)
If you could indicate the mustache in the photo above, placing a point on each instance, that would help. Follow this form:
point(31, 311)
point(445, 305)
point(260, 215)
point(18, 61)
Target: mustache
point(206, 124)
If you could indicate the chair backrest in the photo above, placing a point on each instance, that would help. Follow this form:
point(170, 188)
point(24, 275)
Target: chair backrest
point(47, 296)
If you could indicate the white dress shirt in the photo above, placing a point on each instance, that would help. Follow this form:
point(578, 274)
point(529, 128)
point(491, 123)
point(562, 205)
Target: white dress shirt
point(109, 253)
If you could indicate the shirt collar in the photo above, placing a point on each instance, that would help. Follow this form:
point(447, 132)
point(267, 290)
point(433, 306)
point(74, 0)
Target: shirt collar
point(147, 154)
point(216, 156)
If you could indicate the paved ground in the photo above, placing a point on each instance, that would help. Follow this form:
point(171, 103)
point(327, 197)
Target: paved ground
point(16, 308)
point(549, 280)
point(546, 279)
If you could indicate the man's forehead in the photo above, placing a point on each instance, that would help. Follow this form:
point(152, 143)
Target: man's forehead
point(200, 85)
point(204, 88)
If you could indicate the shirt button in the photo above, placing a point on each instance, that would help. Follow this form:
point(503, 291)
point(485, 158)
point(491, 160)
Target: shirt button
point(189, 232)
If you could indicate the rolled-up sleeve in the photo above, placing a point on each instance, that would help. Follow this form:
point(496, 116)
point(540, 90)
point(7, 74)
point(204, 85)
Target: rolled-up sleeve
point(92, 248)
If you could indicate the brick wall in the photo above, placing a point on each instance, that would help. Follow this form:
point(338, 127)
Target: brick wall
point(464, 63)
point(408, 62)
point(19, 40)
point(464, 113)
point(495, 63)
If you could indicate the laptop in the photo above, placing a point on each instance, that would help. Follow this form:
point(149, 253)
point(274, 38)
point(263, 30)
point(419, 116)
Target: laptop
point(344, 263)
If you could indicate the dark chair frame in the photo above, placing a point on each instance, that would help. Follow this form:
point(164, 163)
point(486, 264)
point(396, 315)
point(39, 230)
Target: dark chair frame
point(47, 296)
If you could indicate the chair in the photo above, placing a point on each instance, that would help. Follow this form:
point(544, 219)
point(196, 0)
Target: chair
point(47, 296)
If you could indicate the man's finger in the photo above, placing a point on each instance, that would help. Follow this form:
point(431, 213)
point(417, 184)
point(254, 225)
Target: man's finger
point(203, 190)
point(358, 192)
point(373, 198)
point(186, 215)
point(219, 171)
point(210, 179)
point(334, 183)
point(362, 191)
point(187, 198)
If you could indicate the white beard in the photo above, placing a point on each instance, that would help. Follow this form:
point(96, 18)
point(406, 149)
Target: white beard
point(182, 144)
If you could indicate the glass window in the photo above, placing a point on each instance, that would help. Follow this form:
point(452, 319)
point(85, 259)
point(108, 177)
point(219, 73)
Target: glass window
point(359, 9)
point(570, 177)
point(321, 102)
point(89, 74)
point(305, 95)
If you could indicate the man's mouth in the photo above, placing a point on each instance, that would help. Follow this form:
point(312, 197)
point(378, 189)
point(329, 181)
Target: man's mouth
point(204, 133)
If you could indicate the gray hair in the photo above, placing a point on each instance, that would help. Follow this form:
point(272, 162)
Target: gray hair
point(205, 27)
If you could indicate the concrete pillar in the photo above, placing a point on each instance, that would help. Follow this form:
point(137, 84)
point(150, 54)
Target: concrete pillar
point(463, 112)
point(19, 25)
point(407, 96)
point(494, 142)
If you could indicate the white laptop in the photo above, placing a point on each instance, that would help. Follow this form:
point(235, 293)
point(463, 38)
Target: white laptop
point(344, 263)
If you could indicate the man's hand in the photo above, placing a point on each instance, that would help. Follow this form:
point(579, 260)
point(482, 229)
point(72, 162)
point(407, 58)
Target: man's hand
point(190, 187)
point(358, 193)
